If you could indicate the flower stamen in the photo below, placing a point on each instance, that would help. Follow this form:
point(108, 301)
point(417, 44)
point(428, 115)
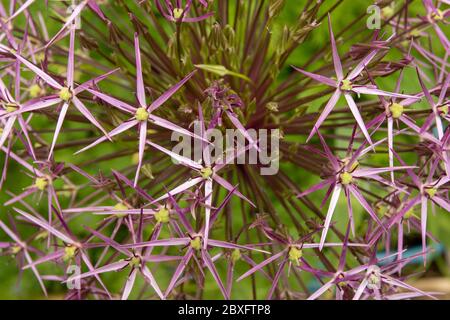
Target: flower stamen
point(346, 178)
point(346, 85)
point(177, 13)
point(162, 215)
point(295, 254)
point(141, 114)
point(69, 252)
point(65, 94)
point(196, 243)
point(206, 172)
point(41, 183)
point(396, 110)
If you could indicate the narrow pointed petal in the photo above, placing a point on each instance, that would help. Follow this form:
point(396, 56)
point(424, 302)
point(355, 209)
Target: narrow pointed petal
point(423, 224)
point(151, 280)
point(75, 13)
point(374, 171)
point(186, 185)
point(179, 271)
point(364, 62)
point(46, 226)
point(401, 284)
point(442, 203)
point(171, 126)
point(109, 241)
point(390, 123)
point(115, 266)
point(142, 140)
point(365, 204)
point(159, 243)
point(354, 109)
point(317, 187)
point(444, 89)
point(44, 76)
point(36, 105)
point(91, 83)
point(85, 112)
point(183, 160)
point(22, 8)
point(129, 284)
point(321, 290)
point(261, 265)
point(275, 279)
point(230, 187)
point(50, 257)
point(233, 118)
point(360, 290)
point(378, 92)
point(113, 101)
point(229, 245)
point(322, 79)
point(208, 204)
point(139, 78)
point(20, 196)
point(336, 59)
point(71, 60)
point(7, 129)
point(169, 93)
point(212, 268)
point(121, 128)
point(62, 116)
point(333, 203)
point(9, 232)
point(36, 272)
point(326, 111)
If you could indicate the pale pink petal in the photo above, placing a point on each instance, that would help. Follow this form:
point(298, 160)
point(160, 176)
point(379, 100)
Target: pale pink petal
point(139, 79)
point(186, 185)
point(46, 226)
point(326, 111)
point(129, 284)
point(319, 78)
point(142, 140)
point(261, 265)
point(85, 112)
point(121, 128)
point(333, 203)
point(169, 93)
point(354, 109)
point(336, 60)
point(62, 116)
point(151, 279)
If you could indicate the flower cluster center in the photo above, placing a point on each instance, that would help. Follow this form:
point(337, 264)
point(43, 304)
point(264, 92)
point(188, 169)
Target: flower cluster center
point(196, 243)
point(396, 110)
point(206, 172)
point(346, 85)
point(177, 13)
point(65, 94)
point(69, 252)
point(162, 215)
point(295, 254)
point(346, 178)
point(41, 183)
